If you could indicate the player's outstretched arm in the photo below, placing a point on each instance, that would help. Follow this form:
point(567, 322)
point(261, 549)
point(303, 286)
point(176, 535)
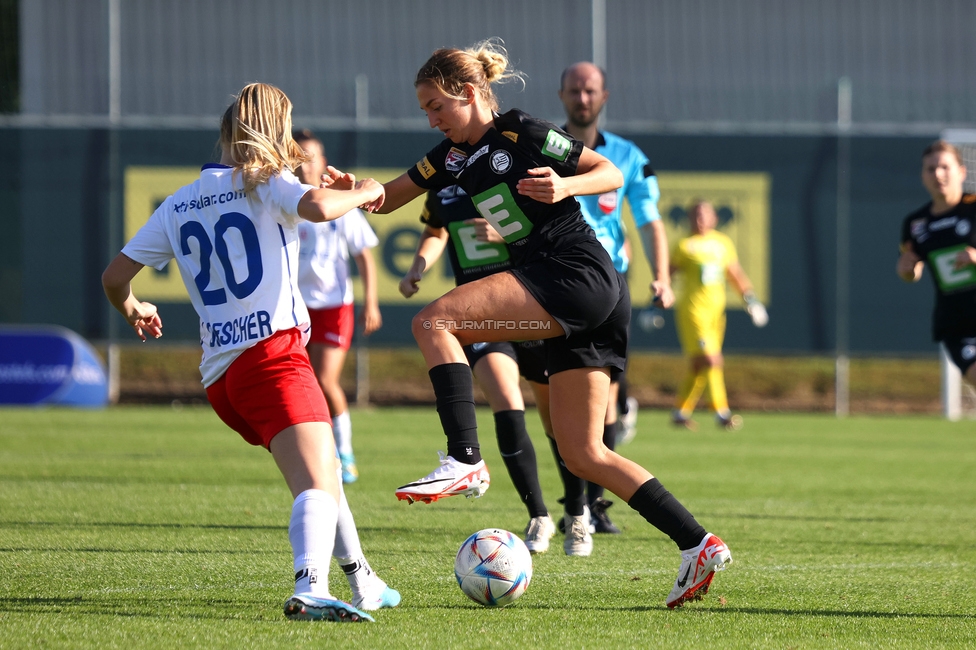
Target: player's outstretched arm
point(328, 204)
point(370, 318)
point(116, 281)
point(397, 193)
point(429, 249)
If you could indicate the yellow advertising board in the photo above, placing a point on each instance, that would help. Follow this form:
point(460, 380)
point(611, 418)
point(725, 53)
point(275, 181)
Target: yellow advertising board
point(145, 189)
point(742, 200)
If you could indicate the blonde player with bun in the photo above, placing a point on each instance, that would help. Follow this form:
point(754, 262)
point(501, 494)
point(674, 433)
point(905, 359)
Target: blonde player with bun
point(233, 234)
point(522, 175)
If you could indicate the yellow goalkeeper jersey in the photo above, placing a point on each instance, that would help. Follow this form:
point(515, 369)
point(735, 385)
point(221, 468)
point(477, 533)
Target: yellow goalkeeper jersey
point(702, 261)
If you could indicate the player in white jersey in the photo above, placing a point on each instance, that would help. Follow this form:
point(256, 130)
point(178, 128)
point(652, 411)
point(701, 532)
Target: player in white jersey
point(323, 277)
point(233, 234)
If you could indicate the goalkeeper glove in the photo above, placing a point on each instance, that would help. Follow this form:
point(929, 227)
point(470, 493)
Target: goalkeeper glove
point(756, 309)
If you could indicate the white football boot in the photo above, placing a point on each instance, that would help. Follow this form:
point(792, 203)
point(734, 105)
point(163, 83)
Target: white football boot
point(578, 540)
point(379, 595)
point(450, 479)
point(538, 533)
point(628, 422)
point(304, 607)
point(698, 567)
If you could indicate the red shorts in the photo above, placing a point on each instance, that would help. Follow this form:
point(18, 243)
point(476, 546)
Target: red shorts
point(333, 326)
point(269, 388)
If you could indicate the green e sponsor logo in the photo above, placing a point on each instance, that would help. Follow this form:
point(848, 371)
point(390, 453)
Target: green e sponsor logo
point(943, 261)
point(472, 252)
point(498, 207)
point(556, 146)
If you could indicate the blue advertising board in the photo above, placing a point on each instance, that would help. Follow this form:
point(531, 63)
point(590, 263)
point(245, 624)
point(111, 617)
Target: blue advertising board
point(47, 364)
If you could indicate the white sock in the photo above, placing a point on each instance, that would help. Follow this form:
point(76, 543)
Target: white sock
point(312, 535)
point(360, 576)
point(348, 550)
point(342, 431)
point(347, 546)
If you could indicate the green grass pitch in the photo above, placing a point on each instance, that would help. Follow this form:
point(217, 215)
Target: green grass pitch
point(152, 527)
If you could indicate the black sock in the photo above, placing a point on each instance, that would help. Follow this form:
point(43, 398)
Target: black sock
point(574, 488)
point(622, 395)
point(454, 391)
point(664, 512)
point(594, 491)
point(519, 456)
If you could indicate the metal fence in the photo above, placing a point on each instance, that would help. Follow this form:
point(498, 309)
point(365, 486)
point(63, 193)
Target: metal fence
point(673, 65)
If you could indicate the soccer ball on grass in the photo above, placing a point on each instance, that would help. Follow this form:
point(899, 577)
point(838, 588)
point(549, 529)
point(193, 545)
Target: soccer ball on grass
point(493, 567)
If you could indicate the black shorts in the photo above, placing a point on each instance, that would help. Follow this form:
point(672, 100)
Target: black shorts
point(580, 288)
point(477, 351)
point(532, 361)
point(962, 350)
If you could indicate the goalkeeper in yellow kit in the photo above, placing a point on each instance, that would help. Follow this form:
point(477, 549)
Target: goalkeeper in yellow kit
point(705, 259)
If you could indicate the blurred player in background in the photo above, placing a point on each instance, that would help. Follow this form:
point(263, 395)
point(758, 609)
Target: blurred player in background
point(705, 259)
point(234, 232)
point(323, 277)
point(583, 93)
point(475, 251)
point(942, 235)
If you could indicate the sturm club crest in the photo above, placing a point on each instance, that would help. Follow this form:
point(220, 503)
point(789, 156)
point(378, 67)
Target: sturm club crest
point(963, 228)
point(500, 161)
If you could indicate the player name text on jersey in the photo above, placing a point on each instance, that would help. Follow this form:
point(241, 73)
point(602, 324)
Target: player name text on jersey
point(256, 325)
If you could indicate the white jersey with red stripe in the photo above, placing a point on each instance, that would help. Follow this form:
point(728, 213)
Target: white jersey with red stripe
point(323, 262)
point(238, 256)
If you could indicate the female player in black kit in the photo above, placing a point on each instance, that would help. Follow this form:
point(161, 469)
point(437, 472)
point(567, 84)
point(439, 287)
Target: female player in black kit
point(521, 174)
point(942, 234)
point(451, 222)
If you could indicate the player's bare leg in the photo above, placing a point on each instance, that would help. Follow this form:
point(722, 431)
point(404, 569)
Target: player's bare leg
point(578, 405)
point(327, 362)
point(479, 311)
point(440, 327)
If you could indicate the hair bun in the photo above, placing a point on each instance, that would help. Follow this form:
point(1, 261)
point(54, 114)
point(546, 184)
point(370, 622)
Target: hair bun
point(493, 57)
point(494, 63)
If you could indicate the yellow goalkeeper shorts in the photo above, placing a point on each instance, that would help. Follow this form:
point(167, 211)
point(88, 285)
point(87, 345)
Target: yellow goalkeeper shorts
point(700, 333)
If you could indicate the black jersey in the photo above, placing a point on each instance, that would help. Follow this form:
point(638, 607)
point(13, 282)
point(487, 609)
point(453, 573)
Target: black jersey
point(489, 170)
point(937, 240)
point(470, 259)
